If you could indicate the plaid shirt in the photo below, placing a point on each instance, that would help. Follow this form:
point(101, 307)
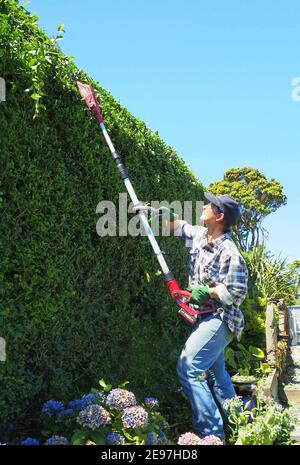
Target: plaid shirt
point(219, 264)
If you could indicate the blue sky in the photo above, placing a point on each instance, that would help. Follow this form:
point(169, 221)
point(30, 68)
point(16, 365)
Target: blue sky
point(212, 77)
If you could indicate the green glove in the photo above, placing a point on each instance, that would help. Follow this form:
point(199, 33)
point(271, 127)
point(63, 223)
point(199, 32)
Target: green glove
point(199, 295)
point(166, 214)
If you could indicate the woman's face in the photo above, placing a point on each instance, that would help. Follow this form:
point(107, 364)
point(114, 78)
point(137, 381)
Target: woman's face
point(210, 214)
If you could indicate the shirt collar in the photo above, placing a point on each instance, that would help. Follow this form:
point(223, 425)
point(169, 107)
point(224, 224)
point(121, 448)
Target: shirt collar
point(217, 242)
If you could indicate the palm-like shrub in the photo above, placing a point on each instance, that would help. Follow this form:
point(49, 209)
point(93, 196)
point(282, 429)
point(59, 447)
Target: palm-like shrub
point(270, 277)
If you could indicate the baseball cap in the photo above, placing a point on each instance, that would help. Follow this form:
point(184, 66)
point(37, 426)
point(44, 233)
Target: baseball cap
point(227, 205)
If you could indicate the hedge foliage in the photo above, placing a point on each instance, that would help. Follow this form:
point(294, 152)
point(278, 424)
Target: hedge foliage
point(76, 307)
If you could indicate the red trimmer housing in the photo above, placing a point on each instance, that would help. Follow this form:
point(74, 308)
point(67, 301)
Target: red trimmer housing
point(181, 297)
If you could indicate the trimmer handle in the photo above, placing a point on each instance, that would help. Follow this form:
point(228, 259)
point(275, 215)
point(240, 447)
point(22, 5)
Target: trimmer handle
point(181, 297)
point(185, 293)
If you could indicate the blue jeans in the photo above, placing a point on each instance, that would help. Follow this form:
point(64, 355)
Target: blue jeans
point(204, 353)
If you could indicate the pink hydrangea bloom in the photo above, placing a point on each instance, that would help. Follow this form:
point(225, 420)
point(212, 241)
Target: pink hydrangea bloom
point(120, 399)
point(211, 440)
point(187, 439)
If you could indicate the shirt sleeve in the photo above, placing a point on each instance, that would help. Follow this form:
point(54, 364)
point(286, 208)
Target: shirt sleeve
point(234, 277)
point(187, 233)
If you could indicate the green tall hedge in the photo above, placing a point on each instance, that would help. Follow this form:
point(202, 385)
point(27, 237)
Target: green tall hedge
point(75, 307)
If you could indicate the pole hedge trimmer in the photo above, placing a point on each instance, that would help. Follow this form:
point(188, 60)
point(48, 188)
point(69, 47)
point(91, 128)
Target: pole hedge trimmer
point(179, 296)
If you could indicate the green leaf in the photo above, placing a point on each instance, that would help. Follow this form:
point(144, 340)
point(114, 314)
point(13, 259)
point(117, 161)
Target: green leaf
point(256, 352)
point(127, 435)
point(122, 385)
point(102, 383)
point(35, 96)
point(98, 437)
point(230, 357)
point(61, 28)
point(242, 348)
point(247, 405)
point(79, 437)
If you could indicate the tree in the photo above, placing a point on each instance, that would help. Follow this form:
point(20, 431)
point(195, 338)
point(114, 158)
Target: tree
point(258, 197)
point(295, 265)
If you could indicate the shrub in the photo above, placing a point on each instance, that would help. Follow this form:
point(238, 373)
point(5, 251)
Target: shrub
point(67, 306)
point(265, 423)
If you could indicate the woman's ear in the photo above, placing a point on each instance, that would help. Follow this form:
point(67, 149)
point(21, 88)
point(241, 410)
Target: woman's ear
point(220, 217)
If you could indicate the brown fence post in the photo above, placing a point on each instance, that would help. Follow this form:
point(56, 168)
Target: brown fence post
point(271, 335)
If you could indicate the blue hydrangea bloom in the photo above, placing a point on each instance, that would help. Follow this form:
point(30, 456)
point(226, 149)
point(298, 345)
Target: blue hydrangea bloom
point(114, 439)
point(52, 406)
point(65, 413)
point(151, 439)
point(57, 441)
point(93, 416)
point(162, 438)
point(134, 417)
point(75, 404)
point(30, 442)
point(88, 399)
point(151, 401)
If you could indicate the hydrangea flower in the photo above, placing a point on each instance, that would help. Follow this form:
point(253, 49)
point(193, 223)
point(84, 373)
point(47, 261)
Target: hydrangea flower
point(134, 417)
point(151, 402)
point(57, 441)
point(211, 440)
point(88, 399)
point(52, 406)
point(162, 438)
point(65, 413)
point(115, 439)
point(152, 439)
point(75, 404)
point(187, 439)
point(120, 399)
point(30, 442)
point(93, 416)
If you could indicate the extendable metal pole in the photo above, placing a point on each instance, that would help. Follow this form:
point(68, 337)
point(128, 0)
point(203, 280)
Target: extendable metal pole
point(135, 201)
